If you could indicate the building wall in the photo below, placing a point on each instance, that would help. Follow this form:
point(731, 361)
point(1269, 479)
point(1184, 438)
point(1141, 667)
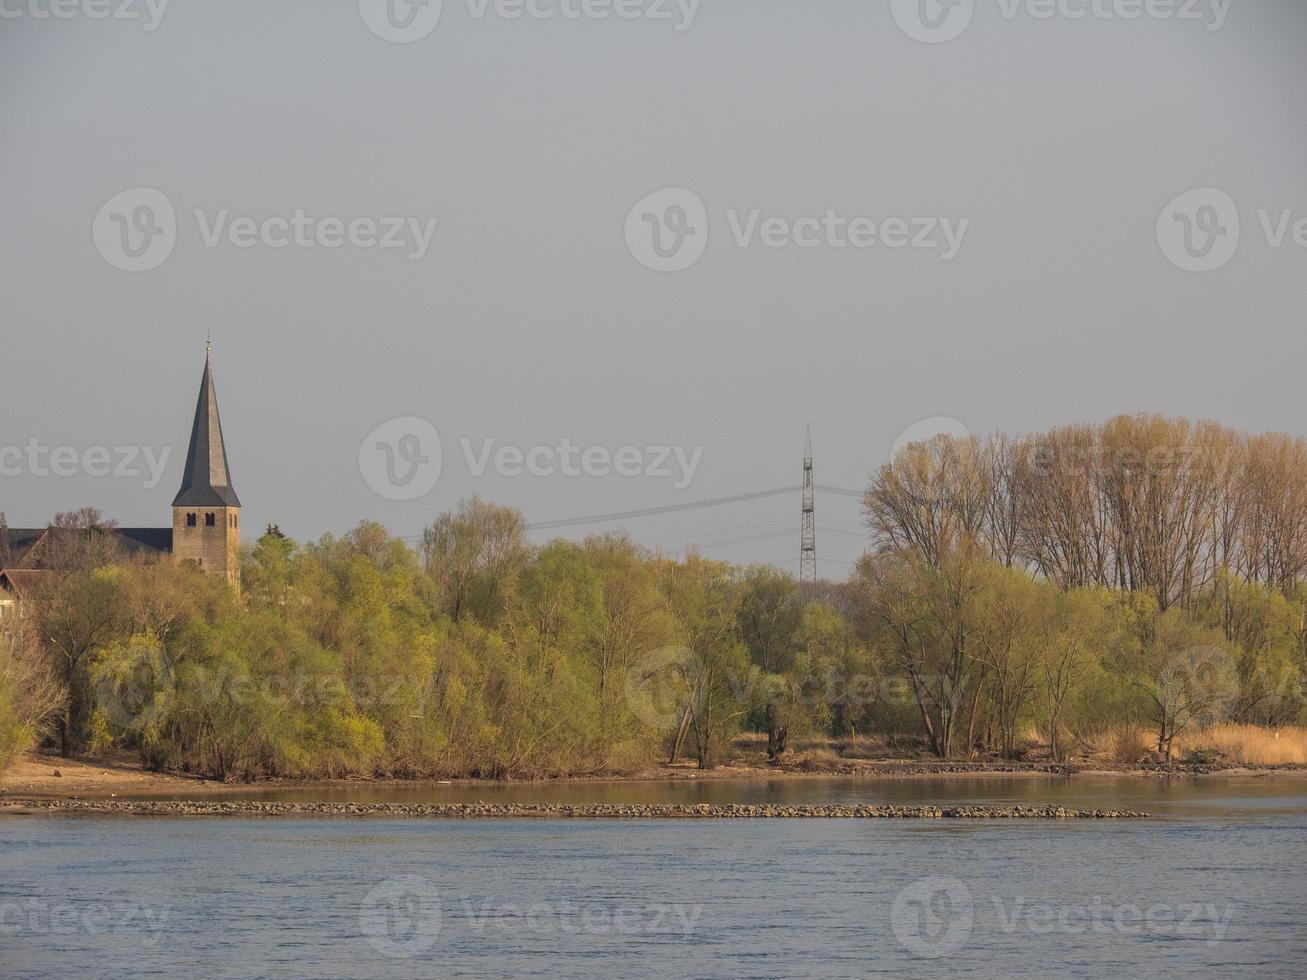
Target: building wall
point(215, 548)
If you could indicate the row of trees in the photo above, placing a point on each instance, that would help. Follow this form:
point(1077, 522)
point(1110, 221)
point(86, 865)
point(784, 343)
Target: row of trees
point(475, 654)
point(1141, 503)
point(1152, 568)
point(1073, 585)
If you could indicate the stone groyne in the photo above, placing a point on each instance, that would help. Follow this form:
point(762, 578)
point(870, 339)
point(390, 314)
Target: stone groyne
point(557, 811)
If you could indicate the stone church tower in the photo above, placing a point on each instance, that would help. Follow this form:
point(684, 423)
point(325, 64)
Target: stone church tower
point(206, 514)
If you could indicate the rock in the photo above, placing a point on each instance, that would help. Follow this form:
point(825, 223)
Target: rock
point(589, 811)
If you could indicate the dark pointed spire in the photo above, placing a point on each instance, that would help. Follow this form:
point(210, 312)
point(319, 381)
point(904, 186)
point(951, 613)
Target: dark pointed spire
point(206, 481)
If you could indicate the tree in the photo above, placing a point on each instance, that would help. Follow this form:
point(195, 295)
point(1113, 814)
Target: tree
point(79, 612)
point(705, 602)
point(473, 554)
point(30, 692)
point(769, 611)
point(931, 497)
point(1079, 628)
point(633, 619)
point(923, 612)
point(1004, 640)
point(1192, 680)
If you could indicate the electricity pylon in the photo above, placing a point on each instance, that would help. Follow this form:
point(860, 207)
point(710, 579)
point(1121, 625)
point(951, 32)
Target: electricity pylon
point(808, 545)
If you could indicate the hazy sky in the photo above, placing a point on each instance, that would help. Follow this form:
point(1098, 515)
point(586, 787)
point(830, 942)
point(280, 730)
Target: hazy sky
point(1053, 146)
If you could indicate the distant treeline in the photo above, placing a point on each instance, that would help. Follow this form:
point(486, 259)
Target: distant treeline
point(1070, 587)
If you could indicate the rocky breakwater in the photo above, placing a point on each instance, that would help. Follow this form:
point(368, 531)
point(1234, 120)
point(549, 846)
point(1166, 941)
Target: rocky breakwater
point(556, 811)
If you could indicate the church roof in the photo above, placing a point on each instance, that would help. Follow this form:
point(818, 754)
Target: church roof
point(206, 481)
point(26, 548)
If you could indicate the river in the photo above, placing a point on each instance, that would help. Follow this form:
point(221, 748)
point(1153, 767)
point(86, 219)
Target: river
point(1213, 886)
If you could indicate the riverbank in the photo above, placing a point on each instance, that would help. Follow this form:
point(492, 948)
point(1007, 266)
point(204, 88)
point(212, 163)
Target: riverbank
point(48, 775)
point(553, 811)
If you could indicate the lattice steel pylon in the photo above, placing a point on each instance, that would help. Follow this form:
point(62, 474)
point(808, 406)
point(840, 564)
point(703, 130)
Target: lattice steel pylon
point(808, 543)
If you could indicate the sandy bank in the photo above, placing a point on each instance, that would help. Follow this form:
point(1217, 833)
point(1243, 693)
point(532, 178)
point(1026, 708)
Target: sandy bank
point(33, 775)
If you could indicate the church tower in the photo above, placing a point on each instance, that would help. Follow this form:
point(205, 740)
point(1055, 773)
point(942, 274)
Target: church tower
point(206, 514)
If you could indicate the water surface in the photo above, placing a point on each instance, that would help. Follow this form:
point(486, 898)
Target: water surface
point(1213, 887)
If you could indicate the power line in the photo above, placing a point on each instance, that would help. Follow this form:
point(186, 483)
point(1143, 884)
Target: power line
point(653, 511)
point(674, 508)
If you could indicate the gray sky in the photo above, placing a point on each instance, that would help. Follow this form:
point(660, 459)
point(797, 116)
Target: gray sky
point(528, 319)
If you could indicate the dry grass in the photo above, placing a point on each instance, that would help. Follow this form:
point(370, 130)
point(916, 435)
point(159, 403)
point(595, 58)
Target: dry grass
point(815, 760)
point(1129, 744)
point(1247, 744)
